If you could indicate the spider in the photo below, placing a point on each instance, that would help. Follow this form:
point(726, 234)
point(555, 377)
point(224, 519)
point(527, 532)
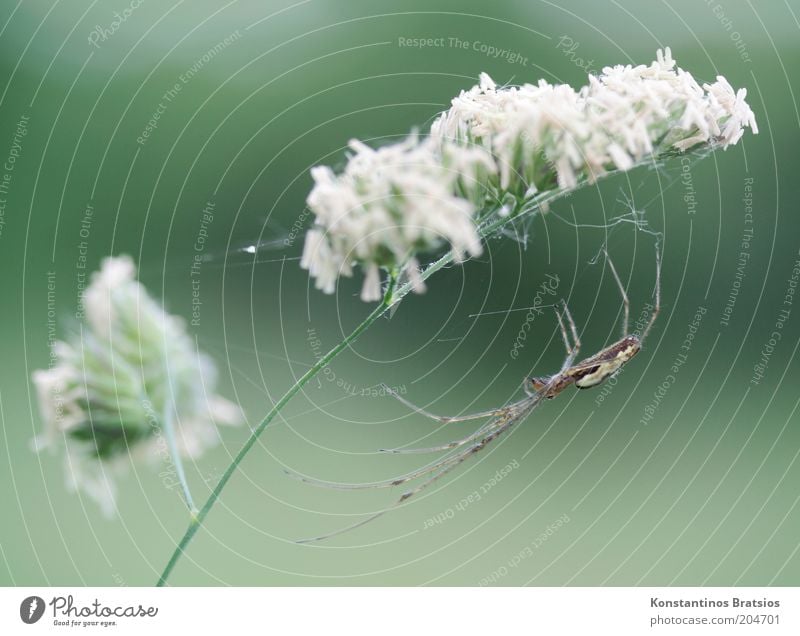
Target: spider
point(583, 375)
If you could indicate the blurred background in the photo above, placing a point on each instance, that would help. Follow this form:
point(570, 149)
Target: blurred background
point(683, 472)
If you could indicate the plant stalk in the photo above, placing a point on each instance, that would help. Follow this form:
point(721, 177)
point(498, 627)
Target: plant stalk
point(392, 296)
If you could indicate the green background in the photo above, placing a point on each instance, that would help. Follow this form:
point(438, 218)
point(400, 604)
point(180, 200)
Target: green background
point(705, 493)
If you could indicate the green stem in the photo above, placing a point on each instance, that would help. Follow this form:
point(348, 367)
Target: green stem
point(392, 296)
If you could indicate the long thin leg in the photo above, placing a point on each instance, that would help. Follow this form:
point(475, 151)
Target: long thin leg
point(420, 472)
point(572, 351)
point(389, 483)
point(444, 419)
point(457, 459)
point(577, 347)
point(657, 308)
point(377, 515)
point(626, 303)
point(564, 334)
point(444, 447)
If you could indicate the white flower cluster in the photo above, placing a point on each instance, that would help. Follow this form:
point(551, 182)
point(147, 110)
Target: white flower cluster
point(113, 384)
point(546, 135)
point(390, 203)
point(499, 144)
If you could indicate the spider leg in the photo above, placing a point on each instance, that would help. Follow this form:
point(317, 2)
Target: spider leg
point(403, 498)
point(443, 418)
point(625, 302)
point(563, 332)
point(657, 293)
point(577, 346)
point(502, 415)
point(572, 350)
point(363, 522)
point(420, 472)
point(448, 446)
point(455, 461)
point(389, 483)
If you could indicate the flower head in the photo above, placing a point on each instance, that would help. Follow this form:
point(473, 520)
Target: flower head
point(544, 133)
point(390, 203)
point(113, 384)
point(493, 151)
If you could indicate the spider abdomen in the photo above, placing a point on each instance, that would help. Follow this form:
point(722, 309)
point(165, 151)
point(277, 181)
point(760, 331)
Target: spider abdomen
point(602, 366)
point(596, 375)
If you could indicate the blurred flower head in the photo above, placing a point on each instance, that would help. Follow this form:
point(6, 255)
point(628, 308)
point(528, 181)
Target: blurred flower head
point(115, 380)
